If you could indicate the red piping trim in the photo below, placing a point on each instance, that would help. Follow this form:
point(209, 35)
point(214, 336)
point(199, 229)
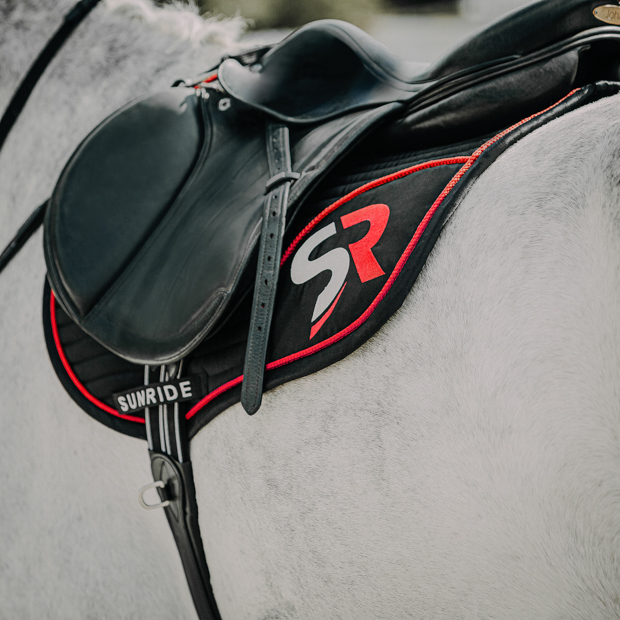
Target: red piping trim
point(211, 78)
point(72, 375)
point(467, 164)
point(364, 188)
point(212, 395)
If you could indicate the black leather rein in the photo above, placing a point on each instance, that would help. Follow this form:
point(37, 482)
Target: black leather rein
point(70, 22)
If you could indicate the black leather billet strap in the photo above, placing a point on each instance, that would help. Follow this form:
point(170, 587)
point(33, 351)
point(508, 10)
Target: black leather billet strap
point(270, 251)
point(182, 515)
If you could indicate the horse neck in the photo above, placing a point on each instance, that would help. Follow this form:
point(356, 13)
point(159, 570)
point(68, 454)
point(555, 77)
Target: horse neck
point(25, 28)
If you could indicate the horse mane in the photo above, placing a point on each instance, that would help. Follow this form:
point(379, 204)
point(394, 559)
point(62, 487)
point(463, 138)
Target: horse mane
point(184, 21)
point(26, 26)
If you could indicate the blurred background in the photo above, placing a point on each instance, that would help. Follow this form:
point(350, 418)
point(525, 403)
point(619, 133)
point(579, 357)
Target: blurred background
point(414, 29)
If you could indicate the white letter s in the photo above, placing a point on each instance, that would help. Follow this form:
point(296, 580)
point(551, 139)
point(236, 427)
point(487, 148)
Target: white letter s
point(336, 260)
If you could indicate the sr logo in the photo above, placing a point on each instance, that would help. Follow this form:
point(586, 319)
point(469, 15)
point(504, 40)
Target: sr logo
point(338, 260)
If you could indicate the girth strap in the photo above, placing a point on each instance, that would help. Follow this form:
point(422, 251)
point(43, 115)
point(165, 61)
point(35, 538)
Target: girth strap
point(269, 254)
point(182, 515)
point(174, 480)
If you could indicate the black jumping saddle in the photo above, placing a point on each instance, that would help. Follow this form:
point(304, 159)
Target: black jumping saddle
point(164, 235)
point(174, 207)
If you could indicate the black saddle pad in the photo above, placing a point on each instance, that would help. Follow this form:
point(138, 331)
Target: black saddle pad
point(350, 262)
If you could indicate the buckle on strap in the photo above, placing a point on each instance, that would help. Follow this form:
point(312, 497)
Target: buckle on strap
point(159, 484)
point(269, 253)
point(279, 178)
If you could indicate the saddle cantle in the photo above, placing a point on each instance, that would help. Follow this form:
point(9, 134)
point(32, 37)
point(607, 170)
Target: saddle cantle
point(174, 207)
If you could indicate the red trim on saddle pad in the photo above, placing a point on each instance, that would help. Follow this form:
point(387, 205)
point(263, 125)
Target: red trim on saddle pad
point(211, 78)
point(71, 374)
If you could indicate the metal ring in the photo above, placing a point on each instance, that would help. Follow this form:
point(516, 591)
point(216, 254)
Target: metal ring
point(159, 484)
point(224, 104)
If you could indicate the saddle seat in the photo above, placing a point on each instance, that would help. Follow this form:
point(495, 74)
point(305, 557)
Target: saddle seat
point(330, 67)
point(151, 233)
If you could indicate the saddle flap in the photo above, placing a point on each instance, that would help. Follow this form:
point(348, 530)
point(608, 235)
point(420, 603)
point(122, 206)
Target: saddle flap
point(154, 222)
point(143, 241)
point(118, 183)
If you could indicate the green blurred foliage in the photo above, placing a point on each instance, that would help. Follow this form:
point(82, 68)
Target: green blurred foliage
point(293, 13)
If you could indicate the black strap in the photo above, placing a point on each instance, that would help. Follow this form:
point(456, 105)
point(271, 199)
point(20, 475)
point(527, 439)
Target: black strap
point(26, 231)
point(18, 101)
point(169, 452)
point(182, 515)
point(269, 253)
